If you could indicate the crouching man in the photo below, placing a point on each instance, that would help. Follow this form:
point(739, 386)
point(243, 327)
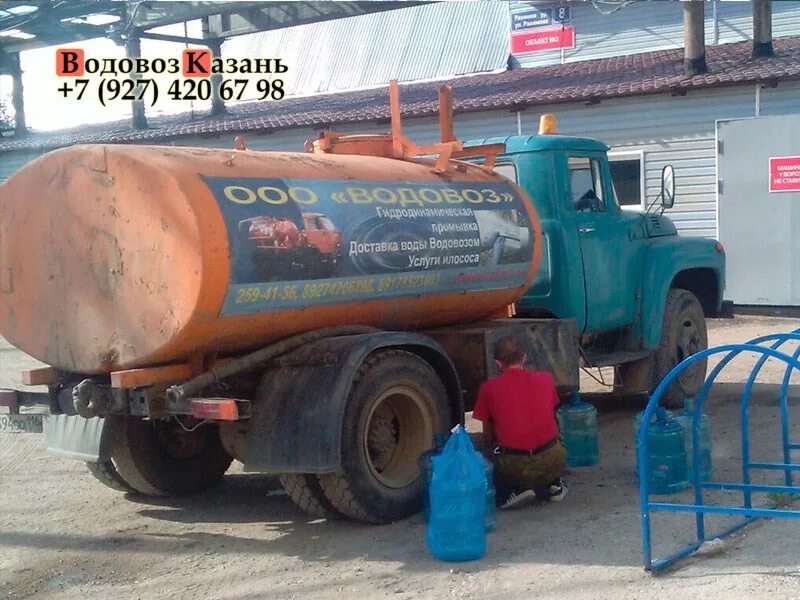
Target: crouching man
point(517, 410)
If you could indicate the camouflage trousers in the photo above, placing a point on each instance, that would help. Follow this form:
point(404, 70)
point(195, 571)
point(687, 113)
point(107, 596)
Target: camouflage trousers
point(518, 472)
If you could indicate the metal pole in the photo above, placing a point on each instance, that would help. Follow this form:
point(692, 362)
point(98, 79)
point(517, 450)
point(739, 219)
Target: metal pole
point(215, 45)
point(133, 50)
point(694, 53)
point(17, 96)
point(762, 29)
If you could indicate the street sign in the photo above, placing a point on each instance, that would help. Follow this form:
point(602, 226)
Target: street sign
point(537, 18)
point(784, 174)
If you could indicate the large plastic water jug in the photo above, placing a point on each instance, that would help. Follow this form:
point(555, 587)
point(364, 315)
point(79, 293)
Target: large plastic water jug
point(491, 510)
point(685, 419)
point(667, 467)
point(457, 526)
point(577, 422)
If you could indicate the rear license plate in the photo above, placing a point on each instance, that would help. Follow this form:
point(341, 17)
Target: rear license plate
point(21, 423)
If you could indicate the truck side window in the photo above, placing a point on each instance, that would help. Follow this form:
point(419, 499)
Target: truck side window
point(586, 181)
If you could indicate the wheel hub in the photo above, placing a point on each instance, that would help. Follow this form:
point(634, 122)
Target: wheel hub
point(382, 441)
point(688, 344)
point(399, 428)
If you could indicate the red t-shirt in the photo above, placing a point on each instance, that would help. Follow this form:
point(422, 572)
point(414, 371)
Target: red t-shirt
point(521, 404)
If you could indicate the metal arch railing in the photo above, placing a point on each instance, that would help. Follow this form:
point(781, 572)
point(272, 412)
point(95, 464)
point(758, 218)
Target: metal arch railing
point(745, 486)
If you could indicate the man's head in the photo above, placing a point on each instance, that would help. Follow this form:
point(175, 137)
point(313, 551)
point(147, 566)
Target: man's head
point(508, 353)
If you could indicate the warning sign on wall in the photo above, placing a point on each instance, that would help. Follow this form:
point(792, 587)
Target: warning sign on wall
point(784, 174)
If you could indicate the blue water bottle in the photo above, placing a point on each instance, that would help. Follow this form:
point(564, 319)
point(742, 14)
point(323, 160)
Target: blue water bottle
point(577, 423)
point(685, 419)
point(491, 509)
point(667, 468)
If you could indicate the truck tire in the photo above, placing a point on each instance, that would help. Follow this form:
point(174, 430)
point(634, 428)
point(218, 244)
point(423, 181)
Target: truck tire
point(159, 458)
point(106, 473)
point(683, 333)
point(306, 492)
point(396, 405)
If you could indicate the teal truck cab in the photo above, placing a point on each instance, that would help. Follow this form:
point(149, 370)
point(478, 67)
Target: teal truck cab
point(638, 291)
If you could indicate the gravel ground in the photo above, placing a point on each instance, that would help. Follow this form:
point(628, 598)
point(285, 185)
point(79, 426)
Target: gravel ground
point(64, 536)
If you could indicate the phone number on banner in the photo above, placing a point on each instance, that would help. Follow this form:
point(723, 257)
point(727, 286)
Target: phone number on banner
point(148, 90)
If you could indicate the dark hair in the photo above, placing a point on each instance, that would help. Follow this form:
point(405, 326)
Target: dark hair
point(509, 351)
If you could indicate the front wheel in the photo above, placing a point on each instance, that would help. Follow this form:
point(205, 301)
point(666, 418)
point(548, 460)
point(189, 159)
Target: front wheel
point(395, 407)
point(683, 333)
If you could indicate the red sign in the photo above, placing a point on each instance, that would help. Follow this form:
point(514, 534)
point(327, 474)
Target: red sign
point(784, 174)
point(540, 41)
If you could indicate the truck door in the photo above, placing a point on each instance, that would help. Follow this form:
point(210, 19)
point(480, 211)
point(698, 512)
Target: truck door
point(611, 244)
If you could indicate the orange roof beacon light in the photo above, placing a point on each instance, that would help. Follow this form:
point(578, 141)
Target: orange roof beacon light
point(548, 124)
point(396, 145)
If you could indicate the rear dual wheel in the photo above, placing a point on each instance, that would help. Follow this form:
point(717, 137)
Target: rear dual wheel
point(159, 458)
point(396, 405)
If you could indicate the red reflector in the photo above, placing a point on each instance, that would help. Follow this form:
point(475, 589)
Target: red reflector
point(719, 248)
point(8, 398)
point(216, 409)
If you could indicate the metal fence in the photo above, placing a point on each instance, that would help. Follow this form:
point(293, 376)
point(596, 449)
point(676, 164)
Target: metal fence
point(745, 486)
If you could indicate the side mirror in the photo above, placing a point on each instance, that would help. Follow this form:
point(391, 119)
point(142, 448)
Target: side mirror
point(667, 186)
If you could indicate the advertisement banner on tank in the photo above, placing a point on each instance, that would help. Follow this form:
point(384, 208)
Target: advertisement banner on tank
point(298, 242)
point(784, 174)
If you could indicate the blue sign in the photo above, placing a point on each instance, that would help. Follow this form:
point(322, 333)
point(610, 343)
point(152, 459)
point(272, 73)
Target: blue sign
point(304, 242)
point(537, 18)
point(531, 19)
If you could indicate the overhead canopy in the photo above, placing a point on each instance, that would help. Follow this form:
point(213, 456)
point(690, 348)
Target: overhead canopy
point(28, 24)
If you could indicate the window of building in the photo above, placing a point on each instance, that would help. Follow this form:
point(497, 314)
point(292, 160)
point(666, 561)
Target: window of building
point(586, 182)
point(627, 173)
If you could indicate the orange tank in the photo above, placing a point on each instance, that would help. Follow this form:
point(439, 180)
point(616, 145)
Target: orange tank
point(115, 257)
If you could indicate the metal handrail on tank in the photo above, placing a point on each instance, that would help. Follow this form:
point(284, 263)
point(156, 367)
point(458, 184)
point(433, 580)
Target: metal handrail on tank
point(745, 486)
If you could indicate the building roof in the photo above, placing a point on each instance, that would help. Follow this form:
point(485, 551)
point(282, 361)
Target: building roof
point(586, 81)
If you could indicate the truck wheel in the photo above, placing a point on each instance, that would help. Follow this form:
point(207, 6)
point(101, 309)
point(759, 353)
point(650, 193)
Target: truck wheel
point(159, 458)
point(106, 473)
point(396, 405)
point(306, 492)
point(683, 333)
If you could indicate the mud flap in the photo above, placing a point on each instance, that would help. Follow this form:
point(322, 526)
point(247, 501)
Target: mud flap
point(89, 440)
point(296, 425)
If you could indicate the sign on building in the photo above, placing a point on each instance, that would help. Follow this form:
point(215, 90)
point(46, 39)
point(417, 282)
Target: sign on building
point(541, 29)
point(784, 174)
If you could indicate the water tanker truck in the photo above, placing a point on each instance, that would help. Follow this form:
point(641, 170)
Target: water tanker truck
point(321, 315)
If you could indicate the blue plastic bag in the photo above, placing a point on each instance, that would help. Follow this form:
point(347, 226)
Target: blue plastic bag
point(456, 530)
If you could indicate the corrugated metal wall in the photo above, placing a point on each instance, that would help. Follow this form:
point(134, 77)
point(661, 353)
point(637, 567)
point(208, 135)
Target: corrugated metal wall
point(422, 42)
point(647, 26)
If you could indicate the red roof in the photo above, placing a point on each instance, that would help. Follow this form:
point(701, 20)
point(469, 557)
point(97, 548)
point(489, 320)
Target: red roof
point(637, 74)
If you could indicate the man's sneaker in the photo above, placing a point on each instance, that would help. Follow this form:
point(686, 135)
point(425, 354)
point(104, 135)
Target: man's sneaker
point(557, 491)
point(515, 499)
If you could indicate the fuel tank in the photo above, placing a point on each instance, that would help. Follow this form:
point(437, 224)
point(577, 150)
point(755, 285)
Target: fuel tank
point(121, 256)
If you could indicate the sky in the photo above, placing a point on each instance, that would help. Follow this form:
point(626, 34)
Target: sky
point(46, 109)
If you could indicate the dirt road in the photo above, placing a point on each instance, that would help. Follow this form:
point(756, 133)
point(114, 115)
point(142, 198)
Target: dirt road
point(64, 536)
